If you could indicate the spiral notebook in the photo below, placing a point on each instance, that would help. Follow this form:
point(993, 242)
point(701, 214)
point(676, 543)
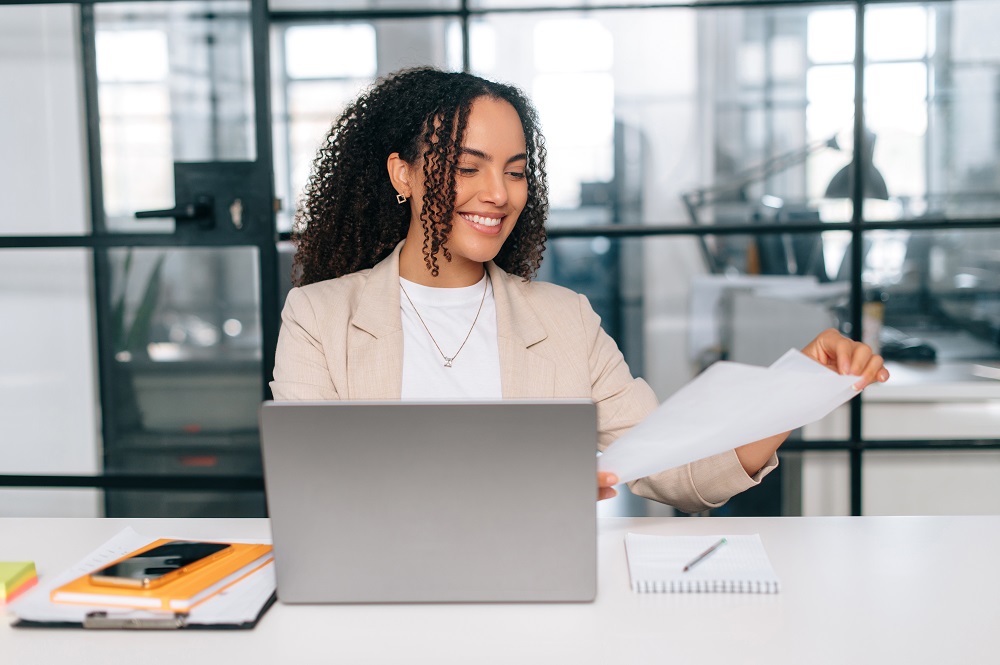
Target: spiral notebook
point(740, 565)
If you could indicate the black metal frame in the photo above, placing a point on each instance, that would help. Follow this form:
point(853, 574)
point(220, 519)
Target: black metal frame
point(266, 243)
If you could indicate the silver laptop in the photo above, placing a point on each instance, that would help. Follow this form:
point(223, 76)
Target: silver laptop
point(374, 502)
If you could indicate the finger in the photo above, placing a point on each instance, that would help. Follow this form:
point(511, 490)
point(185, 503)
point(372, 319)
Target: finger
point(606, 493)
point(873, 371)
point(846, 355)
point(844, 350)
point(861, 356)
point(606, 479)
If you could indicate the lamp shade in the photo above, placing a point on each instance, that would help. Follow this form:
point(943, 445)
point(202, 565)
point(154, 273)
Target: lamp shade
point(842, 184)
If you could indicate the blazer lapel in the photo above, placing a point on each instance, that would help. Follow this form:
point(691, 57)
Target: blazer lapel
point(524, 374)
point(375, 341)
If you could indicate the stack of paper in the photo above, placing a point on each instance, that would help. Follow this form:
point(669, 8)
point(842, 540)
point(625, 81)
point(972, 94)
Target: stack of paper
point(16, 577)
point(239, 604)
point(728, 405)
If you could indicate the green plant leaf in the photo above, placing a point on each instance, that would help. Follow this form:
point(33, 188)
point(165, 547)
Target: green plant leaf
point(138, 334)
point(118, 309)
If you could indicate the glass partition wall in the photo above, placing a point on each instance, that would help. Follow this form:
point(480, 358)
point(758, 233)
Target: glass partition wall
point(141, 161)
point(703, 164)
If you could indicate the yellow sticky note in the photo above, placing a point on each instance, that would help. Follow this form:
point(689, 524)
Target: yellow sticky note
point(15, 577)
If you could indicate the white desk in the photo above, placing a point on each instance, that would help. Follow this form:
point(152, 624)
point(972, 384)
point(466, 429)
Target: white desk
point(855, 590)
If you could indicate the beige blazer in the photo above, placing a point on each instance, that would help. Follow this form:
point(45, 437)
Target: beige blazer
point(343, 339)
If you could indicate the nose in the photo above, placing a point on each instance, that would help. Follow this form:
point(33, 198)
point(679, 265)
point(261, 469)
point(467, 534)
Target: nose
point(494, 189)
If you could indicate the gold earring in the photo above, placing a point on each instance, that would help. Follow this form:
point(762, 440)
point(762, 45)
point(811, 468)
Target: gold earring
point(400, 198)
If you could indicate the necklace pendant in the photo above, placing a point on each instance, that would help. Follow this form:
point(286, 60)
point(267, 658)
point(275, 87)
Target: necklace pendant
point(447, 361)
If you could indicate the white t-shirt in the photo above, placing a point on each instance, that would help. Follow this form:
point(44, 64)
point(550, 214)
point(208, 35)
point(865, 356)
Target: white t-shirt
point(449, 313)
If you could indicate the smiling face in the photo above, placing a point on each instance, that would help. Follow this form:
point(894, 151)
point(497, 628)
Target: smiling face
point(490, 193)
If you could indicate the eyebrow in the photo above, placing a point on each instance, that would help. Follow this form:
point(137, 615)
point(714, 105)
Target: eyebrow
point(489, 158)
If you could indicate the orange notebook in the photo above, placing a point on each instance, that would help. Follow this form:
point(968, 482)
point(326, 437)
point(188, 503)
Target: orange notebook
point(178, 595)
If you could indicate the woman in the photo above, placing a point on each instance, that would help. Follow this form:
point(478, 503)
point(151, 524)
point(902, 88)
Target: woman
point(420, 229)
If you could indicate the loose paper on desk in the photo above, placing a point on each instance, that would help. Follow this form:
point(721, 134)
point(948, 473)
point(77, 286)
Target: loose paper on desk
point(728, 405)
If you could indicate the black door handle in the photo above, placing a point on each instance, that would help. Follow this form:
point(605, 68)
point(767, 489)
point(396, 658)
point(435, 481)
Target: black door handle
point(199, 210)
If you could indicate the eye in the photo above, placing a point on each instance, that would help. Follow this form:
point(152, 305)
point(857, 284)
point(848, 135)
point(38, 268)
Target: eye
point(517, 175)
point(466, 170)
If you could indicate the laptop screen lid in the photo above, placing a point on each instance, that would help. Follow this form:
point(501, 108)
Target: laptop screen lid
point(432, 502)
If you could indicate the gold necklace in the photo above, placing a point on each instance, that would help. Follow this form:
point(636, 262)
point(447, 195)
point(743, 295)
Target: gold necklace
point(447, 360)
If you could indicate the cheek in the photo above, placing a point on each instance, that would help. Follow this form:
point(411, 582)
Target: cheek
point(520, 194)
point(461, 192)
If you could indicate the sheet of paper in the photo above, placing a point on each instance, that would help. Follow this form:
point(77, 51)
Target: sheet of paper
point(239, 603)
point(726, 406)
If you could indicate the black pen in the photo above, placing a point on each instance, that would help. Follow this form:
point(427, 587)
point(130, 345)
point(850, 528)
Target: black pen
point(701, 557)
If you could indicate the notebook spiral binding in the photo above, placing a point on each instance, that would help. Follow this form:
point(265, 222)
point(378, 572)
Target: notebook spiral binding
point(706, 586)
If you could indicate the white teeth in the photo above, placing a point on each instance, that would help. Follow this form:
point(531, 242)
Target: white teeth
point(483, 221)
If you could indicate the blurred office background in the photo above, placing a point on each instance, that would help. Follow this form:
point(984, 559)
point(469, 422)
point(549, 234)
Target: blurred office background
point(703, 164)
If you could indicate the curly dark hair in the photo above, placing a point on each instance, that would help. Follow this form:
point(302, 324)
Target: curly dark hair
point(348, 218)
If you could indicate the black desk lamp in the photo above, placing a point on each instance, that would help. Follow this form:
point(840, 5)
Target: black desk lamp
point(842, 184)
point(736, 187)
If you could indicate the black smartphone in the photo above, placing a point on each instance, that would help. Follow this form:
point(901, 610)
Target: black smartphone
point(159, 565)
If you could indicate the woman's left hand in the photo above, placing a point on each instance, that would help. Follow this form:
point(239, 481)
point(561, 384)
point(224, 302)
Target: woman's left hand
point(845, 356)
point(605, 485)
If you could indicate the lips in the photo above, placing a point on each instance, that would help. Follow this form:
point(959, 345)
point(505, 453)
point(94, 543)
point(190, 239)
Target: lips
point(487, 225)
point(481, 220)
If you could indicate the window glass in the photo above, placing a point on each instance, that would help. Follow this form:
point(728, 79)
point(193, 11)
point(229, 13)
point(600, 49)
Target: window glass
point(133, 69)
point(132, 56)
point(186, 372)
point(573, 45)
point(43, 175)
point(359, 5)
point(719, 137)
point(186, 317)
point(330, 51)
point(830, 91)
point(139, 503)
point(970, 29)
point(175, 85)
point(534, 4)
point(51, 503)
point(318, 69)
point(185, 305)
point(483, 52)
point(830, 35)
point(963, 136)
point(896, 33)
point(577, 114)
point(942, 286)
point(48, 380)
point(137, 157)
point(896, 114)
point(574, 92)
point(579, 69)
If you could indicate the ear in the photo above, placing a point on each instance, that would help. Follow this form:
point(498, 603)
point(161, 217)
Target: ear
point(400, 174)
